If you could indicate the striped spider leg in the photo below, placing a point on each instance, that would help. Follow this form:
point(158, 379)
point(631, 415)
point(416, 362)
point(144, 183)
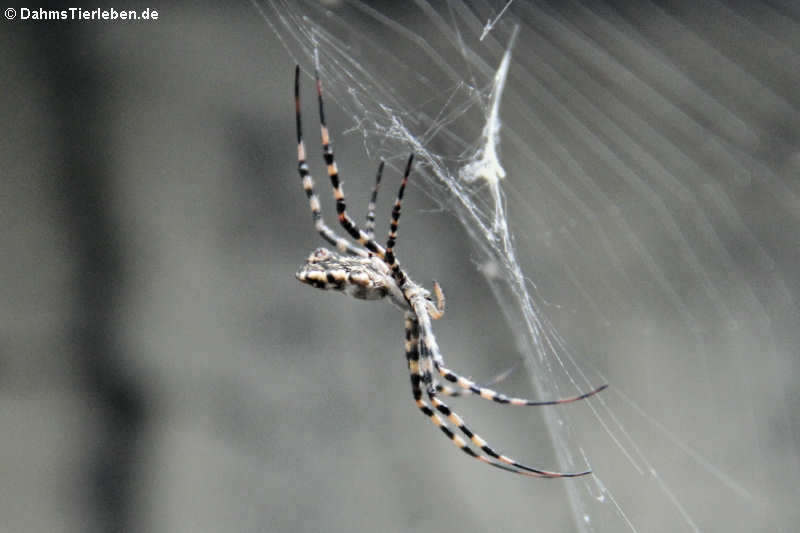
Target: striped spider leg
point(469, 387)
point(446, 390)
point(369, 271)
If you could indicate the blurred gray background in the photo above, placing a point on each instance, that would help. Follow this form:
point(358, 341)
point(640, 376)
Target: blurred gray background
point(162, 370)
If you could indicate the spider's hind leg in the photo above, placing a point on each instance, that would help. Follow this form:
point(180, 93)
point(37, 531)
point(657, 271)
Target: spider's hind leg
point(391, 240)
point(369, 227)
point(346, 222)
point(341, 244)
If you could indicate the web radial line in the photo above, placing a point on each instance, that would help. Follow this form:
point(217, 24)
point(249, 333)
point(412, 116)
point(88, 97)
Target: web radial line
point(341, 244)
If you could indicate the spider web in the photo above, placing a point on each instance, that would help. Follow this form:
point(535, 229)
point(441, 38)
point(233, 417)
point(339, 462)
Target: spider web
point(638, 192)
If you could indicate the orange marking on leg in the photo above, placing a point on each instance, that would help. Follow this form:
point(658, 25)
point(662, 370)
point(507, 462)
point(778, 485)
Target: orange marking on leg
point(478, 441)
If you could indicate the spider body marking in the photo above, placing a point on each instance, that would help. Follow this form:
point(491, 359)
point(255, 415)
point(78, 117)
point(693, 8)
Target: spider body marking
point(369, 271)
point(365, 278)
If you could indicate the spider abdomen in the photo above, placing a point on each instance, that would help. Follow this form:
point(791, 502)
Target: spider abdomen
point(365, 278)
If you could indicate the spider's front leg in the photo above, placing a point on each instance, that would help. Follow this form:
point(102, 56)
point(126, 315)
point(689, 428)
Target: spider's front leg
point(470, 387)
point(416, 375)
point(450, 391)
point(436, 312)
point(420, 363)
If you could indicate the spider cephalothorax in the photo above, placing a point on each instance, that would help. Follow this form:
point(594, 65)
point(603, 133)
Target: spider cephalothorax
point(369, 271)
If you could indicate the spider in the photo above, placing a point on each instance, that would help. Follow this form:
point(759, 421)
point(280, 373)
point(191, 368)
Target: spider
point(369, 271)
